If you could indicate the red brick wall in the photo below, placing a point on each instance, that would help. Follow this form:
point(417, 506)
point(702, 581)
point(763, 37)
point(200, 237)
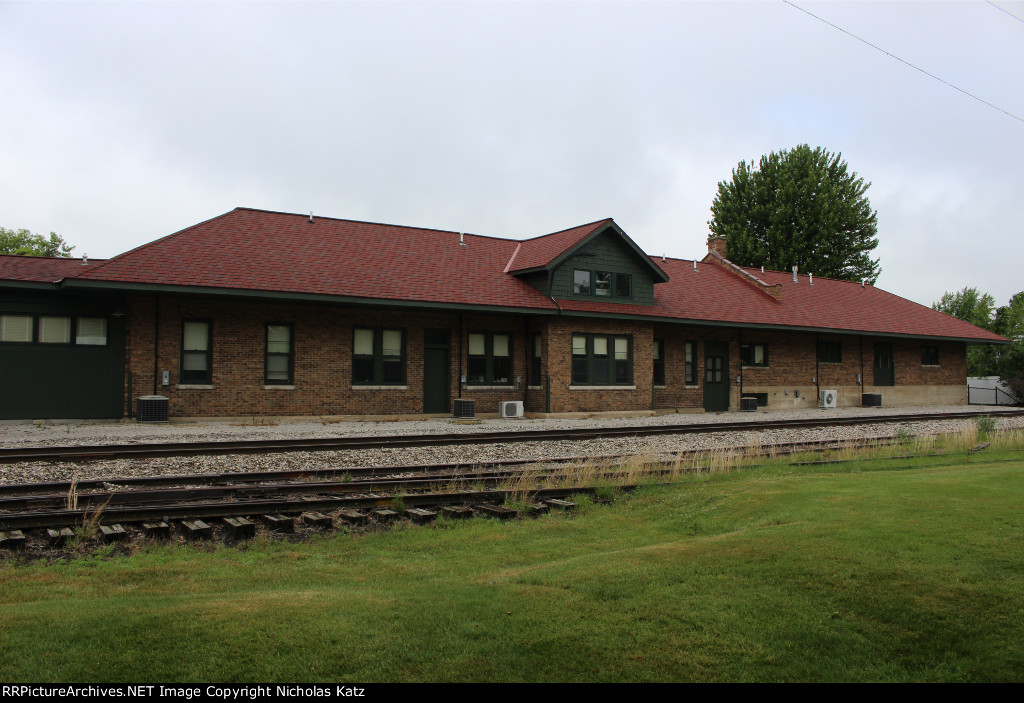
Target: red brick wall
point(323, 360)
point(558, 354)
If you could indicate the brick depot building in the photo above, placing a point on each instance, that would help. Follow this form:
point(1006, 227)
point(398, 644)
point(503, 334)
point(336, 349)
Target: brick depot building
point(267, 313)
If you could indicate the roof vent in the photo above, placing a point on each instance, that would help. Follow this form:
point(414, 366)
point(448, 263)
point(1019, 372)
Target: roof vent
point(762, 268)
point(462, 239)
point(310, 215)
point(85, 259)
point(810, 277)
point(694, 265)
point(794, 274)
point(862, 283)
point(662, 258)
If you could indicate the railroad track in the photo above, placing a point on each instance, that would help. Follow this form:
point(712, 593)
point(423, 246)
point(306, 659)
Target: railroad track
point(265, 446)
point(164, 498)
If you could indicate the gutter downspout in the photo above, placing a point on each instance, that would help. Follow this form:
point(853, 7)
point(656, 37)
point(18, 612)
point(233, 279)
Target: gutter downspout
point(817, 369)
point(862, 370)
point(547, 376)
point(156, 343)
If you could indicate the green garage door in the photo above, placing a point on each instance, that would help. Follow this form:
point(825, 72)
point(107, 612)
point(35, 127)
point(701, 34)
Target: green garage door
point(60, 365)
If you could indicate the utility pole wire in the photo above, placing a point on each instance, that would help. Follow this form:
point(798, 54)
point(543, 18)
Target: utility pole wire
point(890, 55)
point(1004, 10)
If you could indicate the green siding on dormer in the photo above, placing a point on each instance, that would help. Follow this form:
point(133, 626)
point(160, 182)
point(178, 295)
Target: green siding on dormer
point(605, 252)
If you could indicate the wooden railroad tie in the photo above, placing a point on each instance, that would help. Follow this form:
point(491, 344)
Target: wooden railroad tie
point(383, 514)
point(239, 527)
point(276, 522)
point(498, 511)
point(14, 539)
point(538, 508)
point(559, 503)
point(457, 512)
point(156, 530)
point(317, 520)
point(58, 538)
point(196, 529)
point(353, 517)
point(420, 515)
point(113, 533)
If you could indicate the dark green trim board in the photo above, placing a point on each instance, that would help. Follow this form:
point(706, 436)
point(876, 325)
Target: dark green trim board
point(611, 229)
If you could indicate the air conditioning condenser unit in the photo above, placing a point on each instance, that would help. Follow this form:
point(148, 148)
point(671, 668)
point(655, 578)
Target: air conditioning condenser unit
point(510, 408)
point(827, 399)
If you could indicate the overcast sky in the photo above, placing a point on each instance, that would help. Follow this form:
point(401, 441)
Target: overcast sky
point(125, 122)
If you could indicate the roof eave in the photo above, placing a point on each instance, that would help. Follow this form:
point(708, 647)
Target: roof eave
point(250, 294)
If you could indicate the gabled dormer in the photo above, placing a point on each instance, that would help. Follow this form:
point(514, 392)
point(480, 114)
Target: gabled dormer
point(594, 262)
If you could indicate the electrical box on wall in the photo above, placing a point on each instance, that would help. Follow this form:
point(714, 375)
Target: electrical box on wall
point(167, 378)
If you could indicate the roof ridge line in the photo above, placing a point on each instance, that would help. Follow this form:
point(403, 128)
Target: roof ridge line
point(508, 266)
point(585, 224)
point(772, 291)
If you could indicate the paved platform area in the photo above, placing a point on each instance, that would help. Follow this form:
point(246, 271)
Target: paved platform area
point(70, 432)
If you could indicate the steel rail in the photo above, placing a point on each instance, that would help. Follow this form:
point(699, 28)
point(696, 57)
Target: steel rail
point(263, 446)
point(106, 499)
point(227, 508)
point(357, 472)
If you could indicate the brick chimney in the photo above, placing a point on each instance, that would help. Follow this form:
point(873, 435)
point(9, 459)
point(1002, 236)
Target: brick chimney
point(717, 245)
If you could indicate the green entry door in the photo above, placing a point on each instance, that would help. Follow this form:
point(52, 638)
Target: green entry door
point(436, 379)
point(884, 368)
point(716, 376)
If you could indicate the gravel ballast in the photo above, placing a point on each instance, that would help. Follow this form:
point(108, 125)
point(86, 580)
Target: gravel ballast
point(82, 433)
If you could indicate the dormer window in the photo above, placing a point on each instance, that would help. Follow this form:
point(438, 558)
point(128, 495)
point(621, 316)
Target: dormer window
point(605, 284)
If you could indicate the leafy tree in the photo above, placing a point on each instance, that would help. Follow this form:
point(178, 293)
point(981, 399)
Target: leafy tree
point(1010, 323)
point(802, 208)
point(23, 243)
point(971, 305)
point(979, 309)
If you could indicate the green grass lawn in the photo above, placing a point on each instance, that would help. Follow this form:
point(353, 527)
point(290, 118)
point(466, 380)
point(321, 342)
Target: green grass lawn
point(872, 572)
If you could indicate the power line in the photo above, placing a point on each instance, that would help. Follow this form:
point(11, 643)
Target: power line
point(893, 56)
point(1004, 10)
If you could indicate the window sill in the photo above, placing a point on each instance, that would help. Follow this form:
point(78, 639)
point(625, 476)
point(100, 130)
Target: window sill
point(278, 387)
point(691, 388)
point(755, 366)
point(380, 388)
point(535, 388)
point(489, 388)
point(660, 387)
point(195, 386)
point(931, 366)
point(602, 388)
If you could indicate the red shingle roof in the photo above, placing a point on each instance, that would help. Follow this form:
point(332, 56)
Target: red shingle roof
point(276, 252)
point(41, 269)
point(541, 251)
